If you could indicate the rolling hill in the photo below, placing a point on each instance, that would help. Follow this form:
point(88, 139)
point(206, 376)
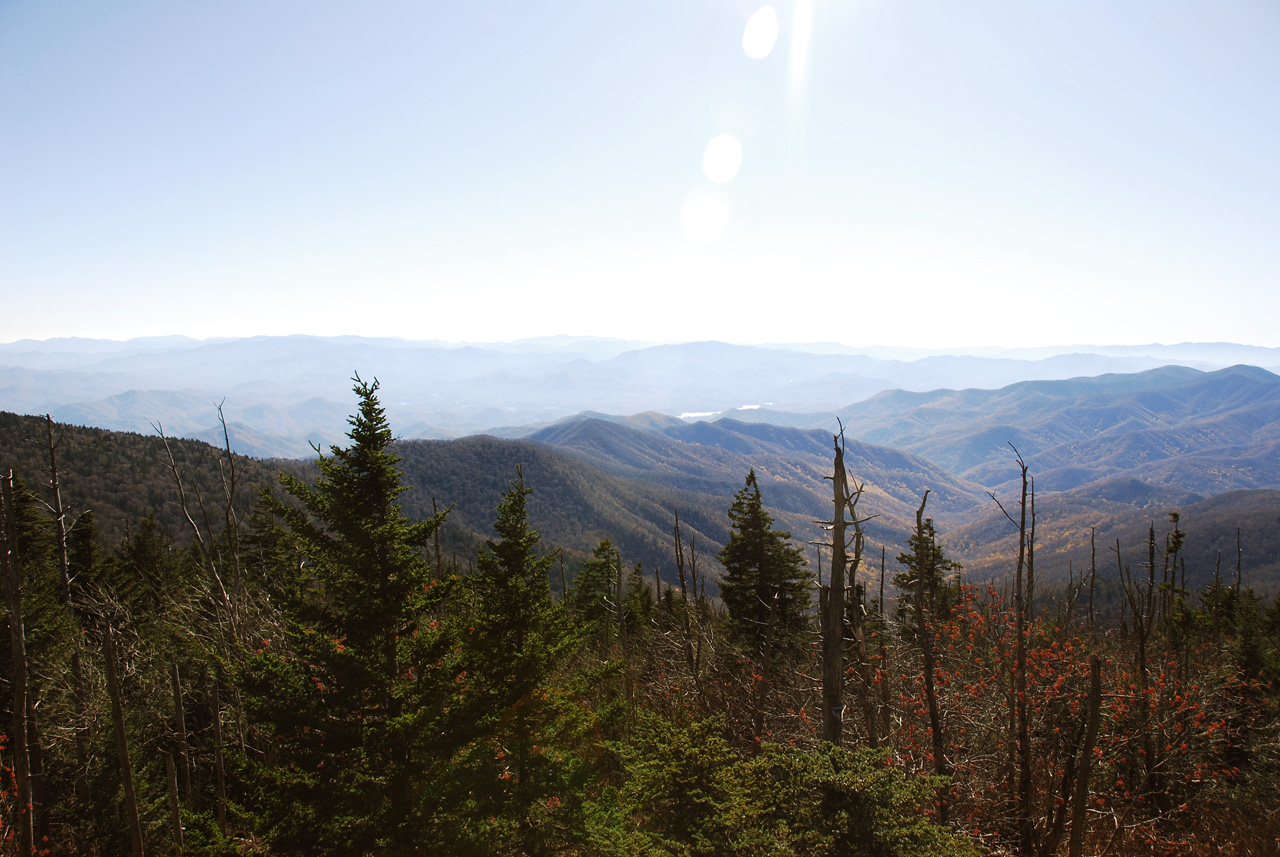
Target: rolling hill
point(1114, 454)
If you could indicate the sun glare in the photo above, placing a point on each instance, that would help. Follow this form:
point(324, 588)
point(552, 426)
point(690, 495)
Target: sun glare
point(704, 217)
point(761, 33)
point(722, 158)
point(802, 26)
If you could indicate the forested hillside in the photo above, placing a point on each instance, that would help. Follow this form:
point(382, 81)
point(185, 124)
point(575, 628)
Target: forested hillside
point(326, 671)
point(1205, 432)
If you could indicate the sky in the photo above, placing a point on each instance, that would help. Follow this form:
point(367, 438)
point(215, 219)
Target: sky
point(926, 173)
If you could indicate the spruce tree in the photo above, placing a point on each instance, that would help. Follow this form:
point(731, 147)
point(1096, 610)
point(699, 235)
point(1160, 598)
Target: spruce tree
point(517, 625)
point(925, 556)
point(351, 702)
point(596, 585)
point(766, 580)
point(512, 786)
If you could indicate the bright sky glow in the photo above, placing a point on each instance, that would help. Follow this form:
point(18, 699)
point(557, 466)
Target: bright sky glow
point(705, 215)
point(722, 157)
point(925, 174)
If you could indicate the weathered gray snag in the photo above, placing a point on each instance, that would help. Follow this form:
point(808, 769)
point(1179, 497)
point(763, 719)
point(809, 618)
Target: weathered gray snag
point(832, 604)
point(183, 770)
point(219, 766)
point(206, 543)
point(79, 689)
point(692, 626)
point(175, 808)
point(114, 691)
point(1026, 823)
point(1020, 719)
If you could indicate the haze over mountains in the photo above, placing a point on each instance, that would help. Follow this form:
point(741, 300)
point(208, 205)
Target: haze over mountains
point(282, 393)
point(1115, 438)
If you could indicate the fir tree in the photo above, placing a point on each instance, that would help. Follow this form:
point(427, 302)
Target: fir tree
point(595, 589)
point(353, 700)
point(512, 774)
point(764, 574)
point(925, 556)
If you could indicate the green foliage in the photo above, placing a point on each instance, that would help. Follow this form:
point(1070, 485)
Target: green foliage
point(518, 629)
point(835, 801)
point(925, 558)
point(766, 581)
point(695, 796)
point(596, 586)
point(376, 705)
point(353, 695)
point(516, 787)
point(124, 476)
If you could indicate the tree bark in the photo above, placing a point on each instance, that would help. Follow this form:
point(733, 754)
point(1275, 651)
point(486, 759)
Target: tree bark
point(924, 629)
point(175, 807)
point(12, 579)
point(686, 605)
point(1026, 824)
point(833, 611)
point(1081, 799)
point(180, 727)
point(39, 783)
point(122, 741)
point(219, 767)
point(79, 691)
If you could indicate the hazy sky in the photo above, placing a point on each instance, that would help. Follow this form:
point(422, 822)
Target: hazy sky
point(915, 172)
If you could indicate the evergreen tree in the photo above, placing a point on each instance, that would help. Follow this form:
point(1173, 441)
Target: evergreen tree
point(925, 556)
point(517, 625)
point(764, 574)
point(596, 586)
point(513, 787)
point(352, 701)
point(638, 600)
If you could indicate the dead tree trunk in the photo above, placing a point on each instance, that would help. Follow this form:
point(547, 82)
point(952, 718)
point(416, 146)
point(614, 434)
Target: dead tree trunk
point(1093, 570)
point(833, 611)
point(924, 629)
point(175, 806)
point(219, 766)
point(1020, 718)
point(39, 779)
point(764, 679)
point(79, 690)
point(844, 571)
point(1081, 799)
point(1026, 823)
point(183, 766)
point(12, 579)
point(866, 693)
point(116, 694)
point(885, 722)
point(689, 616)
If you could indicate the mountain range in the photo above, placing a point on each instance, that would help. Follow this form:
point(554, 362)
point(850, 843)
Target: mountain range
point(281, 394)
point(1111, 456)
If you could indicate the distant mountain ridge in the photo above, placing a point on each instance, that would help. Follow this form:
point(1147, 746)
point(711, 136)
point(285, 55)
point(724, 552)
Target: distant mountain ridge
point(436, 390)
point(1116, 451)
point(1113, 454)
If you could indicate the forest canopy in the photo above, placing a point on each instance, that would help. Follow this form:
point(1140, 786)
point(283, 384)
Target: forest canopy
point(304, 667)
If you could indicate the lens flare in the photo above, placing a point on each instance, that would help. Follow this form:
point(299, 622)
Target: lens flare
point(801, 30)
point(722, 158)
point(761, 33)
